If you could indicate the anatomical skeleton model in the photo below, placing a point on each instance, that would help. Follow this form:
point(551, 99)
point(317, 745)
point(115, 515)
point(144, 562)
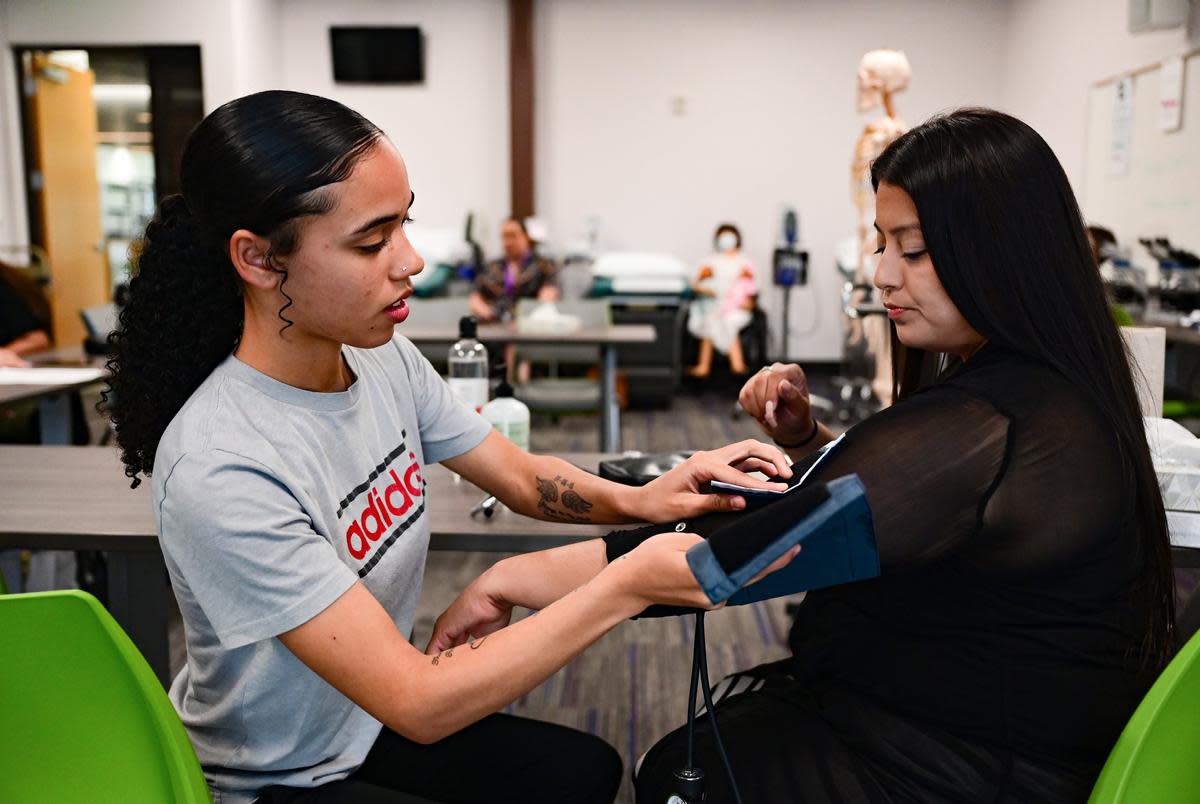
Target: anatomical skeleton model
point(881, 74)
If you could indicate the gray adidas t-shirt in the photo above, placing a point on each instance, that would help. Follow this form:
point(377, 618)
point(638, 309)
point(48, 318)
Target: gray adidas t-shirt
point(271, 502)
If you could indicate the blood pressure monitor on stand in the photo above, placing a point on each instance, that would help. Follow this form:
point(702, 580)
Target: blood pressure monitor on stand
point(789, 267)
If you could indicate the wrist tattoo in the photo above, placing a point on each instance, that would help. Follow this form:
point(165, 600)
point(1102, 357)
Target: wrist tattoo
point(447, 653)
point(477, 643)
point(558, 500)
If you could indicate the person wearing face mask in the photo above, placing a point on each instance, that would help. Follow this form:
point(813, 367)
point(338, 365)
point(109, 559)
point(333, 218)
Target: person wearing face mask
point(1025, 602)
point(260, 381)
point(520, 273)
point(725, 291)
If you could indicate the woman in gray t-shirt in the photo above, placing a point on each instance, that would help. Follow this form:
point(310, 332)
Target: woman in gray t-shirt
point(259, 380)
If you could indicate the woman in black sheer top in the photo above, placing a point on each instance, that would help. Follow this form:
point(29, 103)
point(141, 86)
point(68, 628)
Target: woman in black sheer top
point(1025, 603)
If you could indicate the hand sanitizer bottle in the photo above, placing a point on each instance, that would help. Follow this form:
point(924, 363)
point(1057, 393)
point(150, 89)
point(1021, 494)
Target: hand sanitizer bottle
point(468, 362)
point(509, 416)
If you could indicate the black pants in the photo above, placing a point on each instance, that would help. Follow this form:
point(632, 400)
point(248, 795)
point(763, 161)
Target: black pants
point(501, 758)
point(791, 745)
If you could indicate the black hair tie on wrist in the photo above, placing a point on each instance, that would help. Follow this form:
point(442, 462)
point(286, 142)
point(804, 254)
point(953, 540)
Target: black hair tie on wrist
point(805, 442)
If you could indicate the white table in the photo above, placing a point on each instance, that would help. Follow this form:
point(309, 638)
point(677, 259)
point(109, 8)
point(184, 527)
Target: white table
point(54, 399)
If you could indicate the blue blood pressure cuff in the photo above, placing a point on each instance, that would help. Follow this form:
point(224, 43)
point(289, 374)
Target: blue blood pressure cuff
point(831, 521)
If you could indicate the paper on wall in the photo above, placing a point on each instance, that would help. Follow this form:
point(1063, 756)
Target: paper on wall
point(1170, 95)
point(1122, 137)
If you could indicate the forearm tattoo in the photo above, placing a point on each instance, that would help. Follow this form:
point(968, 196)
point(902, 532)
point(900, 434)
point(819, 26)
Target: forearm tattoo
point(475, 644)
point(559, 500)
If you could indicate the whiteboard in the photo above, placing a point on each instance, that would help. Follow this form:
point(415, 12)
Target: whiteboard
point(1160, 195)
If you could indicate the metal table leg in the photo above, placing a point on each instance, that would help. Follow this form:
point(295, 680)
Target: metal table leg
point(610, 415)
point(137, 599)
point(55, 419)
point(52, 569)
point(10, 570)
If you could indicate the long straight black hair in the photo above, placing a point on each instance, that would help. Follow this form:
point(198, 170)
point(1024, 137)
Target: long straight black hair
point(1008, 243)
point(258, 163)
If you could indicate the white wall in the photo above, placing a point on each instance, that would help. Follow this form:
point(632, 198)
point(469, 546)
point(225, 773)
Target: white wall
point(257, 44)
point(1056, 50)
point(768, 87)
point(112, 22)
point(771, 120)
point(453, 129)
point(1048, 79)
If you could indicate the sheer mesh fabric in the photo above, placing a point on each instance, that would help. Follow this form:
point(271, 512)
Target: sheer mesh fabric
point(929, 467)
point(1006, 612)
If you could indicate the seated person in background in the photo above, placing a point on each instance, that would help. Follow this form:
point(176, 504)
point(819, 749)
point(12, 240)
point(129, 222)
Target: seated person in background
point(520, 273)
point(24, 328)
point(725, 292)
point(1026, 600)
point(24, 317)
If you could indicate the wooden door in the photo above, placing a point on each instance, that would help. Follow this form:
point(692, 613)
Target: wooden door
point(62, 116)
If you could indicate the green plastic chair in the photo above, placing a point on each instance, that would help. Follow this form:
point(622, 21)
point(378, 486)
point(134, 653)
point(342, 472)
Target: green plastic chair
point(82, 716)
point(1157, 757)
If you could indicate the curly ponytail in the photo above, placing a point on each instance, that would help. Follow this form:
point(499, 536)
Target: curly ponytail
point(257, 163)
point(164, 349)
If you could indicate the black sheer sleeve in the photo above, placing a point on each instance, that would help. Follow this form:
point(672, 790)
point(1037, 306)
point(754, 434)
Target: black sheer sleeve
point(619, 542)
point(929, 465)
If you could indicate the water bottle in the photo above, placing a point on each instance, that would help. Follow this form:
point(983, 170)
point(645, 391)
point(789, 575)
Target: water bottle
point(509, 416)
point(469, 366)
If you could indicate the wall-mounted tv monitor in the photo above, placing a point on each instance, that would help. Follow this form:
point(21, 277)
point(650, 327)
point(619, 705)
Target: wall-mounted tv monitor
point(379, 55)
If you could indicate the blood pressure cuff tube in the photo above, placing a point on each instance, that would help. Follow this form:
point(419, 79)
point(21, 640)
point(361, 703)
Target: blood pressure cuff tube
point(832, 523)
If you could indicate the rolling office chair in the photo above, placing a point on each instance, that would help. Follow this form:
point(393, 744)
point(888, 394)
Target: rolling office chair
point(100, 322)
